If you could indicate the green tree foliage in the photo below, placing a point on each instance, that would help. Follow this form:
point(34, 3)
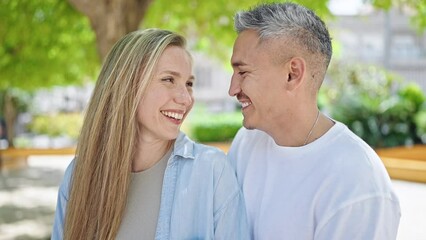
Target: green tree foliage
point(210, 23)
point(111, 19)
point(48, 42)
point(44, 43)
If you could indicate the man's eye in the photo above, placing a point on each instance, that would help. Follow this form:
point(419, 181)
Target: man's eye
point(242, 73)
point(190, 84)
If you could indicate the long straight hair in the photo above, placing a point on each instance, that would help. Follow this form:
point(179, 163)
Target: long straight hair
point(108, 138)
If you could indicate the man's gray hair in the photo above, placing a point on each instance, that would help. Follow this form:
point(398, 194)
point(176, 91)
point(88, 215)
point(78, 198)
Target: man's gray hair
point(287, 20)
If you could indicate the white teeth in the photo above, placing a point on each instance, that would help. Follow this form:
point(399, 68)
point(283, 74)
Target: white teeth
point(174, 115)
point(245, 104)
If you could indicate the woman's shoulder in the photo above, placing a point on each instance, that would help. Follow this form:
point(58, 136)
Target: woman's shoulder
point(66, 181)
point(187, 147)
point(205, 150)
point(203, 156)
point(213, 160)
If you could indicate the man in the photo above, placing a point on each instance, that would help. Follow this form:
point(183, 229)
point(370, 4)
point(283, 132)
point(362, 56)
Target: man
point(304, 175)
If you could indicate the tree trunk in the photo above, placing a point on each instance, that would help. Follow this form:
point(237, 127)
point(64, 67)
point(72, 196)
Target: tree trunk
point(111, 19)
point(10, 117)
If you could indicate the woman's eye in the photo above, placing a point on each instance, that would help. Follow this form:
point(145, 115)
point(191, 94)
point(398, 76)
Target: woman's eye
point(168, 79)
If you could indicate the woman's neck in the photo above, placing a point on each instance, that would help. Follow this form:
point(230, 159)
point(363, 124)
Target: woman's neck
point(148, 153)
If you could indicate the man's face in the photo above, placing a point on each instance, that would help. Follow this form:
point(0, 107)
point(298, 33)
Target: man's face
point(258, 82)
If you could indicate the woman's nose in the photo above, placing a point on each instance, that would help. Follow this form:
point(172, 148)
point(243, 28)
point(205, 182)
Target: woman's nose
point(183, 96)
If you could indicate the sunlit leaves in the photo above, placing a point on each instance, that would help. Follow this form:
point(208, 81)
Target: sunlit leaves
point(44, 43)
point(208, 23)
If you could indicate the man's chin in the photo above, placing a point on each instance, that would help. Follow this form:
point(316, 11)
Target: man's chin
point(248, 125)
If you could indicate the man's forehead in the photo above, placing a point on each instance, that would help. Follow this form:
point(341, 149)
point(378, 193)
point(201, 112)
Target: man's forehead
point(247, 38)
point(246, 46)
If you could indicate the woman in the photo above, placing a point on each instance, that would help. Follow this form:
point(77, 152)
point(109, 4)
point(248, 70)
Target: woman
point(135, 175)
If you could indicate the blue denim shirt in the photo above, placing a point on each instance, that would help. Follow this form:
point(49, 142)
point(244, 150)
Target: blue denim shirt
point(200, 199)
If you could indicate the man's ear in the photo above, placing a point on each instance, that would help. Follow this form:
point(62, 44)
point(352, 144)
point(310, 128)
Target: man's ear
point(297, 68)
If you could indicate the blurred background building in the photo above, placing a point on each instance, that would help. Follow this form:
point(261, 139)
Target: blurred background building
point(383, 38)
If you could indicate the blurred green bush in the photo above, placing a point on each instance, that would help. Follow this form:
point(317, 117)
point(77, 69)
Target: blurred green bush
point(61, 124)
point(206, 126)
point(376, 105)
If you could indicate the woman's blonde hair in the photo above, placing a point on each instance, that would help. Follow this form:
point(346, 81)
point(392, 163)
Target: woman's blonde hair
point(108, 138)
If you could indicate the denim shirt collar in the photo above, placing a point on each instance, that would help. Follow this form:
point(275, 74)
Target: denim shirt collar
point(184, 147)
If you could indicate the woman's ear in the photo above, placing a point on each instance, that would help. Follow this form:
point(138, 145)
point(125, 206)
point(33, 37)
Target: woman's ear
point(296, 67)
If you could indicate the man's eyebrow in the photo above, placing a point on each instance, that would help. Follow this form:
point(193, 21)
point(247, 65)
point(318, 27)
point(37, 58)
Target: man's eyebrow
point(238, 64)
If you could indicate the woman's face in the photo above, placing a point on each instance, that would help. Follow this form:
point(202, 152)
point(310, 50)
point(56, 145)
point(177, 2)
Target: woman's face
point(168, 98)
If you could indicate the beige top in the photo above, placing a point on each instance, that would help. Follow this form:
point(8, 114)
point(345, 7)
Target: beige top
point(143, 202)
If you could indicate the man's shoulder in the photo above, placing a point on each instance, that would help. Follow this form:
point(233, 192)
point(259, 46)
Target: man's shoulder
point(250, 135)
point(248, 144)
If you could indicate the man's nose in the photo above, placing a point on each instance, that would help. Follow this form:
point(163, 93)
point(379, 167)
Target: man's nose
point(234, 87)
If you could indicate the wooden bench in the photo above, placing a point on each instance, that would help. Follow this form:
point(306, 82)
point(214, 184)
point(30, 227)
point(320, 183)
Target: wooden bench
point(405, 163)
point(19, 156)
